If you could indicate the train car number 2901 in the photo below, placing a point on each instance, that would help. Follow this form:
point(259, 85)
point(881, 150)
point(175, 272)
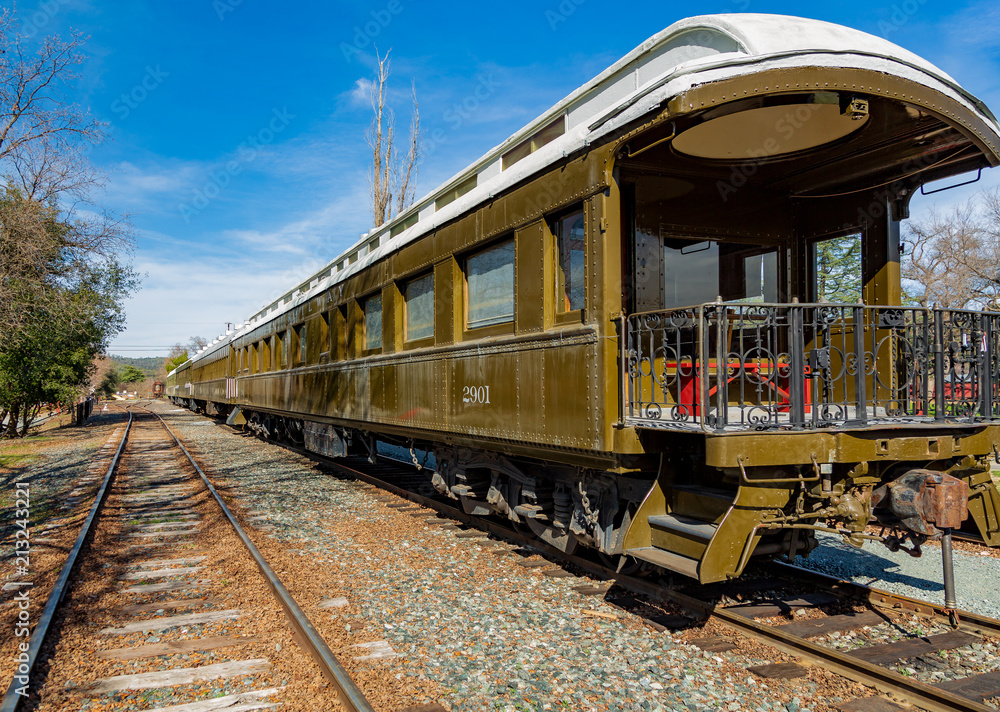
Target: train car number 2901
point(476, 394)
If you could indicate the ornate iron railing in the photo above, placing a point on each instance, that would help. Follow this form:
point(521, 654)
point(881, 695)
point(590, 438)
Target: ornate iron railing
point(738, 366)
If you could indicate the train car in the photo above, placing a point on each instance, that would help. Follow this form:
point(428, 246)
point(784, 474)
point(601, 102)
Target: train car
point(664, 320)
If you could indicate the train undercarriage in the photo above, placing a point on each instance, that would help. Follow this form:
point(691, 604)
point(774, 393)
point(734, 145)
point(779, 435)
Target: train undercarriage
point(681, 514)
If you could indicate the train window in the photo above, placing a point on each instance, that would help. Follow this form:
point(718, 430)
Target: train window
point(373, 322)
point(570, 265)
point(489, 277)
point(543, 136)
point(265, 355)
point(836, 268)
point(418, 299)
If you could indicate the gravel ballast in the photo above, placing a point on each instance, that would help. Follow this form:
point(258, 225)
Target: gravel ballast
point(419, 614)
point(976, 575)
point(462, 614)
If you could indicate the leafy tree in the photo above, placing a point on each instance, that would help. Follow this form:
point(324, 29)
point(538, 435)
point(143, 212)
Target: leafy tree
point(109, 383)
point(131, 374)
point(838, 269)
point(51, 357)
point(178, 355)
point(63, 260)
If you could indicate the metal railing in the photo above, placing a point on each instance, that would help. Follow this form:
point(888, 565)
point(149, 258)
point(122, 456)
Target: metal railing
point(740, 366)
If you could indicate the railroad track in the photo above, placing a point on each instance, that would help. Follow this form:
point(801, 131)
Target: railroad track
point(165, 603)
point(813, 619)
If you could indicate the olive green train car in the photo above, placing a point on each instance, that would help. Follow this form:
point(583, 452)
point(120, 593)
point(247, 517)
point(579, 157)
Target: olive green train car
point(664, 319)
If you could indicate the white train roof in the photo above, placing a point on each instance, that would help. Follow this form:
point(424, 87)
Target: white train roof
point(693, 51)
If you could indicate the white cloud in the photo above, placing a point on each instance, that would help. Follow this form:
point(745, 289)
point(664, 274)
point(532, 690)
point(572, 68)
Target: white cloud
point(183, 299)
point(321, 233)
point(361, 93)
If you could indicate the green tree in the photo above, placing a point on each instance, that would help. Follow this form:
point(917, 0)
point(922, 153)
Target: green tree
point(838, 269)
point(109, 383)
point(131, 374)
point(51, 357)
point(178, 355)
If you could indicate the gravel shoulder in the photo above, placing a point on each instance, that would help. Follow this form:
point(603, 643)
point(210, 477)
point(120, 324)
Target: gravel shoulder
point(63, 467)
point(976, 572)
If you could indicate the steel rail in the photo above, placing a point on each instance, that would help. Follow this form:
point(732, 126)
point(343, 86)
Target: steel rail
point(886, 680)
point(925, 696)
point(307, 635)
point(12, 700)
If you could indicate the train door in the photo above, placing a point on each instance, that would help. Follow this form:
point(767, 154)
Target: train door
point(673, 271)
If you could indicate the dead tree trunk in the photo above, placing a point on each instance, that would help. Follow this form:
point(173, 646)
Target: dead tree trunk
point(389, 176)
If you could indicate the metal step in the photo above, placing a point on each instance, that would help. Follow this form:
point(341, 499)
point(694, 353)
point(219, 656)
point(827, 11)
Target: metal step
point(667, 560)
point(713, 493)
point(684, 525)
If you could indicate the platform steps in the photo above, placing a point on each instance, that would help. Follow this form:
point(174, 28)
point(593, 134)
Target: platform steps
point(678, 539)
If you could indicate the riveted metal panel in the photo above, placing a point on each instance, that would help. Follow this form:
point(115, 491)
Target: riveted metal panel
point(530, 303)
point(531, 397)
point(349, 393)
point(414, 257)
point(493, 218)
point(446, 301)
point(569, 417)
point(414, 386)
point(470, 410)
point(450, 238)
point(381, 391)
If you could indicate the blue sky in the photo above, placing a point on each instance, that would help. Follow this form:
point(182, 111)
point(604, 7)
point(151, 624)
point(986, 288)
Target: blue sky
point(237, 126)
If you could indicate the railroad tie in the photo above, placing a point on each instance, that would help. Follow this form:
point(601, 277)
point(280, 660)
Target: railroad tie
point(174, 647)
point(339, 602)
point(871, 704)
point(978, 687)
point(912, 647)
point(780, 671)
point(377, 650)
point(155, 624)
point(178, 676)
point(230, 703)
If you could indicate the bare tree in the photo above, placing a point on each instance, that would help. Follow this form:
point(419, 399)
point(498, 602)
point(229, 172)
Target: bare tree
point(33, 110)
point(955, 257)
point(389, 175)
point(196, 343)
point(43, 140)
point(404, 190)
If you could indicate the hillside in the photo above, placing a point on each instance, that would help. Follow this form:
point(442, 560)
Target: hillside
point(148, 364)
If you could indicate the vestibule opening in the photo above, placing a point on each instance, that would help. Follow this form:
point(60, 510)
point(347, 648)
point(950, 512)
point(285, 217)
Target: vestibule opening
point(778, 198)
